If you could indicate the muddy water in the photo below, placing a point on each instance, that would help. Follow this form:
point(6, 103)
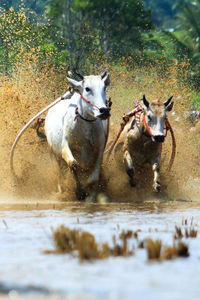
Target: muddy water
point(27, 273)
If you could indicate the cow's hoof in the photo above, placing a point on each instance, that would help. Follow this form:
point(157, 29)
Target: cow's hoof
point(157, 187)
point(102, 198)
point(133, 183)
point(81, 195)
point(90, 199)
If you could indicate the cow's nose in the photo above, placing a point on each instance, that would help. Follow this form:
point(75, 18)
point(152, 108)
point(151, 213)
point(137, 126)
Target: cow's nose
point(105, 111)
point(159, 138)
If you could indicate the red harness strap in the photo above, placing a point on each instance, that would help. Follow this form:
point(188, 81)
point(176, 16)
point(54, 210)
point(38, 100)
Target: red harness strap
point(89, 102)
point(108, 105)
point(145, 123)
point(136, 112)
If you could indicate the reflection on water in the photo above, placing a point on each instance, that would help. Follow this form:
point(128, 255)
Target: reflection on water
point(26, 231)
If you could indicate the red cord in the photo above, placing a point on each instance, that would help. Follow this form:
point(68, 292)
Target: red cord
point(89, 102)
point(145, 123)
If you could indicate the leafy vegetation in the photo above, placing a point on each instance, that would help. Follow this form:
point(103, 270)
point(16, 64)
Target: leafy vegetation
point(80, 34)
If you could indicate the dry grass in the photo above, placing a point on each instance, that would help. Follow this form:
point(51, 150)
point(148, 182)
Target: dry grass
point(181, 250)
point(155, 252)
point(84, 245)
point(153, 248)
point(73, 241)
point(190, 232)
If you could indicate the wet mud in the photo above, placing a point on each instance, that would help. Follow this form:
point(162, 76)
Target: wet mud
point(22, 96)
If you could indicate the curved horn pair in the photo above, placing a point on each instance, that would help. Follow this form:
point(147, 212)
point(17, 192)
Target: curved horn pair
point(75, 73)
point(79, 75)
point(103, 74)
point(166, 103)
point(146, 103)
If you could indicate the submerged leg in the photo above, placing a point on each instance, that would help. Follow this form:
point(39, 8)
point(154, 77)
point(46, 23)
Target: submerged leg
point(73, 165)
point(128, 163)
point(156, 179)
point(80, 192)
point(93, 179)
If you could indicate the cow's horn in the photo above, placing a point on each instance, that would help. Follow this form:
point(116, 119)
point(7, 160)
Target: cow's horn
point(146, 103)
point(79, 75)
point(166, 103)
point(103, 74)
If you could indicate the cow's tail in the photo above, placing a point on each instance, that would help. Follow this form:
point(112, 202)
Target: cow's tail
point(67, 95)
point(39, 127)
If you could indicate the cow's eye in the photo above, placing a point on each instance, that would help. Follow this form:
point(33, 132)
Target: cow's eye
point(87, 89)
point(149, 118)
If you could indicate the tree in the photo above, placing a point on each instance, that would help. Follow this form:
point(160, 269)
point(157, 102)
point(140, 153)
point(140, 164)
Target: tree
point(18, 37)
point(163, 12)
point(188, 31)
point(36, 6)
point(119, 24)
point(87, 27)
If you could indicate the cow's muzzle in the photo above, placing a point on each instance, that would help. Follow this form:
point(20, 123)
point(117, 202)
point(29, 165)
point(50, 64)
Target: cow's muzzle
point(159, 138)
point(104, 113)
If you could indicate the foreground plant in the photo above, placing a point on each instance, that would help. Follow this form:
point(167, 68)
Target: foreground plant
point(84, 245)
point(154, 250)
point(73, 241)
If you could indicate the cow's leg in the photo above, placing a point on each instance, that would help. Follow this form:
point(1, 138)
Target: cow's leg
point(68, 156)
point(93, 179)
point(80, 192)
point(156, 179)
point(128, 163)
point(73, 165)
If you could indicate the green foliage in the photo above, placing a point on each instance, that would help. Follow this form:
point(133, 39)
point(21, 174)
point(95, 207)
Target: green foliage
point(35, 7)
point(195, 100)
point(114, 18)
point(101, 27)
point(21, 39)
point(82, 34)
point(188, 33)
point(163, 12)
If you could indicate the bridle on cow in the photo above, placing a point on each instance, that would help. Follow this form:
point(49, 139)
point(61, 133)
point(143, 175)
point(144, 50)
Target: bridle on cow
point(136, 112)
point(148, 129)
point(78, 115)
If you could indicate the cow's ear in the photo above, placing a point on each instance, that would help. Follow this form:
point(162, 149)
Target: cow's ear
point(169, 107)
point(77, 85)
point(107, 80)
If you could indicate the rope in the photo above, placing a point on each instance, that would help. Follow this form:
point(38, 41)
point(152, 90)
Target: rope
point(86, 100)
point(110, 149)
point(126, 119)
point(173, 154)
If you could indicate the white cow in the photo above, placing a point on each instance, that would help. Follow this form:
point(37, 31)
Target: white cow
point(77, 130)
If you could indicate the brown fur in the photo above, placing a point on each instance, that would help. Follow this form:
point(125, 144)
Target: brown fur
point(139, 149)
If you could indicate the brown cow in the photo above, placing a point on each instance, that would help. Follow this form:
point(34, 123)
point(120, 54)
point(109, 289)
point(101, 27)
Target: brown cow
point(143, 137)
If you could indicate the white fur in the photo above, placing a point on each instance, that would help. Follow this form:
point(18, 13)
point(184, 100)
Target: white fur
point(78, 142)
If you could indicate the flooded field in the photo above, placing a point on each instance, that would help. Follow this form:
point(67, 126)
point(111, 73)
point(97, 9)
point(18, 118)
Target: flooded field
point(27, 273)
